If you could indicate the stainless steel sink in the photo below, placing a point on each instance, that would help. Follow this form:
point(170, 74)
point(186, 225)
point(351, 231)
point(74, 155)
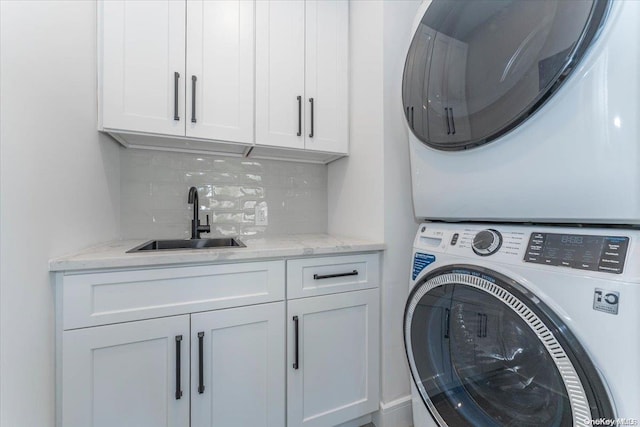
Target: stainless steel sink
point(168, 245)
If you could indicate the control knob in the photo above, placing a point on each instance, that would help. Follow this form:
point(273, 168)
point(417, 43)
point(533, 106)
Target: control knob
point(487, 242)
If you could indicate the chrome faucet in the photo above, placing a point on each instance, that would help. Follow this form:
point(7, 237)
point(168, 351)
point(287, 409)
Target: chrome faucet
point(196, 228)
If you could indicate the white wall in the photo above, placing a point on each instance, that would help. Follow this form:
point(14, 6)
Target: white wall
point(400, 225)
point(59, 186)
point(356, 183)
point(370, 191)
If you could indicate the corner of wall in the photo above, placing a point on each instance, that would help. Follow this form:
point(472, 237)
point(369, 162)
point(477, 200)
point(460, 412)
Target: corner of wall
point(399, 222)
point(355, 183)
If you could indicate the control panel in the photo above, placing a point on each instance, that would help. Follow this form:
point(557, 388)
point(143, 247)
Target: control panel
point(553, 246)
point(503, 243)
point(586, 252)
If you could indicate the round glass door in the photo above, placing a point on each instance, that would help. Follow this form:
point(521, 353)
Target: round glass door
point(478, 68)
point(484, 352)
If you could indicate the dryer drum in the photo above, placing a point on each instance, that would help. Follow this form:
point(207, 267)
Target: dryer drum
point(484, 351)
point(476, 69)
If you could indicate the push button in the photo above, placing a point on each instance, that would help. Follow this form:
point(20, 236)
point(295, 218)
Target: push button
point(454, 239)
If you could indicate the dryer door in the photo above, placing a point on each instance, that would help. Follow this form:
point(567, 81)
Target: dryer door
point(484, 351)
point(478, 68)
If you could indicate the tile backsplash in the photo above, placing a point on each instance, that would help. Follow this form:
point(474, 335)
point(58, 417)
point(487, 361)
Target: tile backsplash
point(155, 184)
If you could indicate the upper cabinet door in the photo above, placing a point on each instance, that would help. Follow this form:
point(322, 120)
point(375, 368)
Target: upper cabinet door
point(220, 62)
point(280, 103)
point(143, 66)
point(327, 75)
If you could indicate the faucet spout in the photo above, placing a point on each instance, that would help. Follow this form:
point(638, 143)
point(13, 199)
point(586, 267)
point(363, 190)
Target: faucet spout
point(193, 195)
point(196, 228)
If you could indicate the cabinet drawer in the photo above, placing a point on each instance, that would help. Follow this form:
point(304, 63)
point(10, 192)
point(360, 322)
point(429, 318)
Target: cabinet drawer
point(327, 275)
point(110, 297)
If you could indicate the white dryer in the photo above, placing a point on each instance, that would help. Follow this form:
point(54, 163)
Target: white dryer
point(524, 326)
point(525, 110)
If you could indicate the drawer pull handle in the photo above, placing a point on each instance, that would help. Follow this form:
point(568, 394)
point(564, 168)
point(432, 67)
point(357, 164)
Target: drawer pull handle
point(295, 334)
point(178, 381)
point(331, 276)
point(200, 362)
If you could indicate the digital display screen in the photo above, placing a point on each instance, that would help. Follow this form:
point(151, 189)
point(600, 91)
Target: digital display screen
point(566, 247)
point(586, 252)
point(568, 239)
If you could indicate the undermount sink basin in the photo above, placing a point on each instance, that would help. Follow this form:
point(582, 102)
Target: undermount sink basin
point(167, 245)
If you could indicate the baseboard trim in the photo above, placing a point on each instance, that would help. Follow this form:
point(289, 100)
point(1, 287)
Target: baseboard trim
point(396, 413)
point(364, 420)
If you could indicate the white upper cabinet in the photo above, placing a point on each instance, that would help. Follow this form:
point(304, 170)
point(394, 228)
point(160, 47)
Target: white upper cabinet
point(280, 94)
point(326, 83)
point(266, 78)
point(302, 74)
point(142, 66)
point(178, 68)
point(220, 64)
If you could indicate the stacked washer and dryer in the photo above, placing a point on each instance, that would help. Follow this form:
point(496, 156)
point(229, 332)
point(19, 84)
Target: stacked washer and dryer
point(524, 304)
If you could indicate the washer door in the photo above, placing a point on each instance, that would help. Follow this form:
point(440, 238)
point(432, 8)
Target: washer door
point(478, 68)
point(484, 351)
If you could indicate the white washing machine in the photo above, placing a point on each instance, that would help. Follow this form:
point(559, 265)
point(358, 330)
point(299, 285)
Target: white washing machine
point(525, 110)
point(524, 326)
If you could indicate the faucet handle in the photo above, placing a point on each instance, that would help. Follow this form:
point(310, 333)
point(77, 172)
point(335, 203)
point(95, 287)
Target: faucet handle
point(205, 228)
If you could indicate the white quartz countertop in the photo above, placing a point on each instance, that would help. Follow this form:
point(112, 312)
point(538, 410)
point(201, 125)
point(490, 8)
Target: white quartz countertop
point(113, 254)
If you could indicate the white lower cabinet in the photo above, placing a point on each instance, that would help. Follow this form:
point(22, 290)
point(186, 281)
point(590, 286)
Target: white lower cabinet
point(137, 374)
point(237, 367)
point(215, 345)
point(333, 358)
point(126, 374)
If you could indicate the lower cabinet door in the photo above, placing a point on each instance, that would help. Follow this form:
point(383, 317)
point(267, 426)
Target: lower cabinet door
point(333, 358)
point(237, 367)
point(132, 374)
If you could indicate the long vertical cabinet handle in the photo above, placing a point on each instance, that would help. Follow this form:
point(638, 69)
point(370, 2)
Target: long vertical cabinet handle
point(193, 98)
point(311, 102)
point(410, 117)
point(295, 346)
point(176, 77)
point(200, 362)
point(412, 122)
point(447, 315)
point(483, 319)
point(446, 112)
point(178, 381)
point(486, 322)
point(299, 115)
point(453, 122)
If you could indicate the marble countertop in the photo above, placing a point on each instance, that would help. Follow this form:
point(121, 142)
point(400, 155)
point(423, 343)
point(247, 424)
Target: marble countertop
point(113, 254)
